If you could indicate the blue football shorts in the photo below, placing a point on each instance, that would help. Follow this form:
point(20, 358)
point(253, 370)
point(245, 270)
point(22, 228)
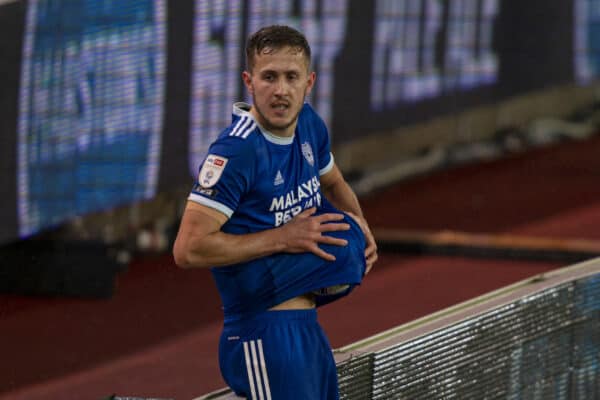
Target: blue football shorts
point(278, 355)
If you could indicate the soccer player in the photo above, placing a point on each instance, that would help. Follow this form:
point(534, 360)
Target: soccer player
point(281, 229)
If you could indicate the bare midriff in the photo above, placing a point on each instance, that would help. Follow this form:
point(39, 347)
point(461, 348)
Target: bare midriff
point(306, 301)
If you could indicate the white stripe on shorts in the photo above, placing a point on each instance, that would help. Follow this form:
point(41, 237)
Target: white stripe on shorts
point(249, 370)
point(264, 369)
point(257, 369)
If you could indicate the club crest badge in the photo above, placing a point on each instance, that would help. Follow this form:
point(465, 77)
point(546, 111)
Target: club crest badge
point(308, 153)
point(211, 170)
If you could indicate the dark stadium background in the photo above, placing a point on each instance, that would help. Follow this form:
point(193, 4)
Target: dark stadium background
point(77, 321)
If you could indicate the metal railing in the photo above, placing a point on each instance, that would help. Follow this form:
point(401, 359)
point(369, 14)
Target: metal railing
point(536, 339)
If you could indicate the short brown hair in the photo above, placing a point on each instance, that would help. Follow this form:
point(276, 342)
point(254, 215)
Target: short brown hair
point(274, 37)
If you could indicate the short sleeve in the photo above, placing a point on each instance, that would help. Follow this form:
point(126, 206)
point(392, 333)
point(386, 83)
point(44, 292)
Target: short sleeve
point(324, 149)
point(224, 176)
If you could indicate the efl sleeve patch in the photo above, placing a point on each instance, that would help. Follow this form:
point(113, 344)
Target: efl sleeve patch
point(211, 170)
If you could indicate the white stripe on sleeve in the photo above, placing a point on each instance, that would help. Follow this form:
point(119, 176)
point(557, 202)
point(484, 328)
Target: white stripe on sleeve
point(241, 127)
point(211, 203)
point(238, 126)
point(249, 130)
point(328, 167)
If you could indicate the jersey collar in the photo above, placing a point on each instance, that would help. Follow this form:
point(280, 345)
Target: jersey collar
point(242, 109)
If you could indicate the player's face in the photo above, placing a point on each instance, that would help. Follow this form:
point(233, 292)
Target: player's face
point(279, 83)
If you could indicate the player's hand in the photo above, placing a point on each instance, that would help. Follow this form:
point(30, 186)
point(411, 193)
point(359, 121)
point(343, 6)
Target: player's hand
point(305, 231)
point(371, 247)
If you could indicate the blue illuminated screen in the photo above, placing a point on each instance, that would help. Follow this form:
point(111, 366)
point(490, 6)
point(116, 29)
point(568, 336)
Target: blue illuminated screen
point(93, 74)
point(90, 111)
point(407, 64)
point(587, 40)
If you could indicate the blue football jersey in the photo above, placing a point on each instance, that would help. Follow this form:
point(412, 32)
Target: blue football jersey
point(261, 181)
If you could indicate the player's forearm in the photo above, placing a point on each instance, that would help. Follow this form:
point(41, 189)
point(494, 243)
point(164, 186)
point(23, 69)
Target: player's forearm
point(219, 249)
point(341, 195)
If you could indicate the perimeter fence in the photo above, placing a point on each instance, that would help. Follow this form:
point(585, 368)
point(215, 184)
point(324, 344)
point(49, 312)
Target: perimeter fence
point(536, 339)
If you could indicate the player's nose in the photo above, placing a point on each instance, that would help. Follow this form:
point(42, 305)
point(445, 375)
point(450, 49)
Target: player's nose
point(280, 87)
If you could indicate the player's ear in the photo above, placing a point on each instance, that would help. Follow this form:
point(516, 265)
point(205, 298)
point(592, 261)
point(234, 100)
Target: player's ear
point(247, 78)
point(312, 76)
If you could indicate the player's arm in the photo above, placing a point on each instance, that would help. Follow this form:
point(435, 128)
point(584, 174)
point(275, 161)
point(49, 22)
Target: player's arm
point(201, 243)
point(340, 194)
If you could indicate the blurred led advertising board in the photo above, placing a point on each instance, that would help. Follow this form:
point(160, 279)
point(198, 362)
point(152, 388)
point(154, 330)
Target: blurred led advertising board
point(220, 30)
point(98, 124)
point(405, 60)
point(90, 107)
point(587, 40)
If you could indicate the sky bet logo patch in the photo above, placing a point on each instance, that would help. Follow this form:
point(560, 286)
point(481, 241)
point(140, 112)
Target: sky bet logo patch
point(211, 170)
point(204, 191)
